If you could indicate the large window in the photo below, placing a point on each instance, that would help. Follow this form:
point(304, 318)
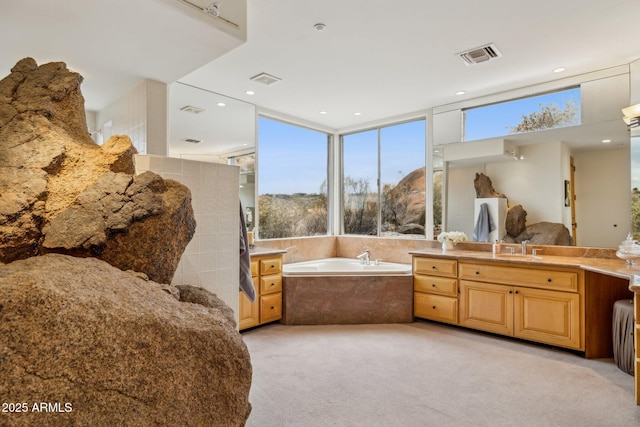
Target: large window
point(292, 173)
point(548, 111)
point(384, 180)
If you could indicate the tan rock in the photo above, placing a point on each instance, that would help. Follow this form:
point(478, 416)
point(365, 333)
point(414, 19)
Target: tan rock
point(110, 348)
point(61, 192)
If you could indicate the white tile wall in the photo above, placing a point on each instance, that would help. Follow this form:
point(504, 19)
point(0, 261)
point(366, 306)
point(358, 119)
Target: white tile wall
point(211, 259)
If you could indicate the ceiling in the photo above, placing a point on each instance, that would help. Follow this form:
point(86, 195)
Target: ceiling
point(377, 58)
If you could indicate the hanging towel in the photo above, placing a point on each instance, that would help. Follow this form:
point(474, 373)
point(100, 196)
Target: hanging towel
point(246, 282)
point(484, 225)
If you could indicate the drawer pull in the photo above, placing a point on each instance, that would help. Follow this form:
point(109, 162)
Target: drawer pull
point(434, 307)
point(549, 280)
point(273, 266)
point(433, 267)
point(433, 285)
point(517, 292)
point(273, 284)
point(477, 273)
point(510, 292)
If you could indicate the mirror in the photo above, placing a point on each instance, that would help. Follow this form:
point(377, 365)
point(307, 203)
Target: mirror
point(210, 127)
point(537, 181)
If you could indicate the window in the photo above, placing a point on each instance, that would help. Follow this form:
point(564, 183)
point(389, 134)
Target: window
point(292, 174)
point(548, 111)
point(384, 180)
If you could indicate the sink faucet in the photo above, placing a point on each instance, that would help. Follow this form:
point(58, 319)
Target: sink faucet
point(524, 247)
point(364, 257)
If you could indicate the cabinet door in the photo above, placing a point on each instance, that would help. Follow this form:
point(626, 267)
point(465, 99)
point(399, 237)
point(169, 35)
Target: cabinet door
point(248, 312)
point(270, 307)
point(550, 317)
point(486, 306)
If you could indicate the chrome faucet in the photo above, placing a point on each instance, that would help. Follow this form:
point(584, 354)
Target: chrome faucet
point(364, 257)
point(524, 247)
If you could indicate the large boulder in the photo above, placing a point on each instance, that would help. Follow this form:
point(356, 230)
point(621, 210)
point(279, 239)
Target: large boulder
point(55, 179)
point(100, 346)
point(544, 233)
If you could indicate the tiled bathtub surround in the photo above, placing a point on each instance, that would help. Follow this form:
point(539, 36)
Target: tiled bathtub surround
point(211, 258)
point(397, 249)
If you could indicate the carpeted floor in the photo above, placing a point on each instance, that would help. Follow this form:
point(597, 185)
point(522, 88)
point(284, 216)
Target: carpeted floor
point(427, 374)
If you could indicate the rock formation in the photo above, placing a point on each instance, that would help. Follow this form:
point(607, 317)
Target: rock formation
point(110, 348)
point(61, 192)
point(89, 342)
point(484, 187)
point(407, 200)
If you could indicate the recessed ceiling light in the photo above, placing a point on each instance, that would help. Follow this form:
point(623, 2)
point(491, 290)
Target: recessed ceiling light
point(606, 141)
point(559, 69)
point(221, 104)
point(250, 92)
point(460, 92)
point(323, 112)
point(357, 114)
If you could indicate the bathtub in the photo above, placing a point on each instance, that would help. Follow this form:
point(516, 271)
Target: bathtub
point(344, 291)
point(344, 266)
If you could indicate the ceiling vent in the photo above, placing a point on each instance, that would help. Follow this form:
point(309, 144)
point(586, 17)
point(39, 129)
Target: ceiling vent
point(265, 79)
point(193, 141)
point(191, 109)
point(480, 54)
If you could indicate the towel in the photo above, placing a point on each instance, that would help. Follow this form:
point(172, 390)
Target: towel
point(484, 225)
point(246, 282)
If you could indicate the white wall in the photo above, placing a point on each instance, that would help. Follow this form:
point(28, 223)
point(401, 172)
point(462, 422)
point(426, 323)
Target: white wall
point(141, 114)
point(536, 183)
point(600, 184)
point(211, 259)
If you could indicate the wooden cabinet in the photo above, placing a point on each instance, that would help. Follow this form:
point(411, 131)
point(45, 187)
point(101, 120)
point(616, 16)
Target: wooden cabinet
point(435, 289)
point(540, 315)
point(532, 303)
point(267, 281)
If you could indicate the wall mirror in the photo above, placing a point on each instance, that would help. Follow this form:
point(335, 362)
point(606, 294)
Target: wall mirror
point(210, 127)
point(599, 149)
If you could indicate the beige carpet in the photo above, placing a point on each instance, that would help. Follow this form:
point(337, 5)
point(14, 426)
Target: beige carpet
point(427, 374)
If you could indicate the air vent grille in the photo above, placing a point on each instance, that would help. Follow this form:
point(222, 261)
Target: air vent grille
point(265, 79)
point(191, 109)
point(193, 141)
point(480, 54)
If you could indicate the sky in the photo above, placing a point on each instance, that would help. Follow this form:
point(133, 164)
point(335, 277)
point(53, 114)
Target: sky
point(293, 159)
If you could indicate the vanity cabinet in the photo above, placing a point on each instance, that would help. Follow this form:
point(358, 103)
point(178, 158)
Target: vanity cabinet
point(541, 303)
point(536, 304)
point(435, 289)
point(267, 281)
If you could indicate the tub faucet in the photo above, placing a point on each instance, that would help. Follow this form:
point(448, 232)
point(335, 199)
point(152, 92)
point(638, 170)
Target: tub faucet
point(524, 247)
point(364, 257)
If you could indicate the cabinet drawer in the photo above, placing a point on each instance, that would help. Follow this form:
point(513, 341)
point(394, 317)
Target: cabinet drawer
point(435, 307)
point(435, 285)
point(255, 267)
point(270, 307)
point(270, 284)
point(546, 279)
point(435, 266)
point(270, 265)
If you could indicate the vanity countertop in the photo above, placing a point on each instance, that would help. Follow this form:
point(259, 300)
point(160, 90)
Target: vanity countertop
point(612, 267)
point(258, 251)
